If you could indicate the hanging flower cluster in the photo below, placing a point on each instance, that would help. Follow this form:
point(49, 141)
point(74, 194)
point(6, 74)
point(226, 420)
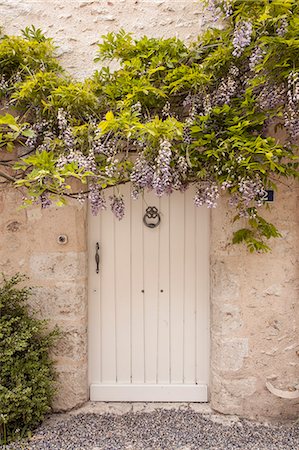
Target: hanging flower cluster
point(207, 194)
point(96, 199)
point(169, 118)
point(162, 178)
point(292, 110)
point(242, 37)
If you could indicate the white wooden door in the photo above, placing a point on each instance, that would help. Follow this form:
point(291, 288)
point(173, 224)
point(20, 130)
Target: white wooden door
point(149, 303)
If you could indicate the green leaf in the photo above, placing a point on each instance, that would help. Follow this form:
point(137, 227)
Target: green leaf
point(28, 133)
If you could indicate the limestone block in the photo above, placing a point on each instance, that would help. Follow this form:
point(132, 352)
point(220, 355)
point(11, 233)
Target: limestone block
point(65, 300)
point(226, 318)
point(72, 389)
point(71, 345)
point(228, 354)
point(58, 266)
point(243, 387)
point(228, 395)
point(221, 400)
point(225, 282)
point(49, 223)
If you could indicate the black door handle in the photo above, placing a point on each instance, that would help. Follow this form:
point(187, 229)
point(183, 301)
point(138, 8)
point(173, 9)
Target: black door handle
point(97, 257)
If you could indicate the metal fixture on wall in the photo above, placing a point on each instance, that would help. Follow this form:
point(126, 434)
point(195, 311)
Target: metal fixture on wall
point(151, 218)
point(97, 257)
point(62, 239)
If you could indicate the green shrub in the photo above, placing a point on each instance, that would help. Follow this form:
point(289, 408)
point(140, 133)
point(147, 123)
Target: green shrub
point(26, 370)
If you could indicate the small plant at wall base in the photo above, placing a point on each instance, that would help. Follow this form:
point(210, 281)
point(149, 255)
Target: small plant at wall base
point(172, 115)
point(26, 370)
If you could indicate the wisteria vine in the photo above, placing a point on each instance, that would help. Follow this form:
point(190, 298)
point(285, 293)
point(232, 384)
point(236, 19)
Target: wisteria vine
point(186, 115)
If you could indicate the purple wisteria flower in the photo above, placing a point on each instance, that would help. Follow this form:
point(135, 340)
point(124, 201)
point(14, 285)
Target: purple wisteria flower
point(162, 178)
point(207, 104)
point(226, 185)
point(137, 107)
point(207, 194)
point(4, 85)
point(117, 206)
point(242, 37)
point(96, 199)
point(179, 174)
point(102, 145)
point(42, 135)
point(291, 114)
point(227, 7)
point(65, 131)
point(45, 201)
point(293, 87)
point(283, 28)
point(87, 163)
point(166, 110)
point(256, 58)
point(187, 138)
point(111, 169)
point(252, 190)
point(271, 96)
point(214, 9)
point(227, 89)
point(142, 174)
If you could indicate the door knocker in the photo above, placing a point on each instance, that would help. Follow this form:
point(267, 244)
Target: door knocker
point(151, 217)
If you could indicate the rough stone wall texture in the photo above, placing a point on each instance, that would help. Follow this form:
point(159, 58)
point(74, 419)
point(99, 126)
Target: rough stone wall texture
point(255, 317)
point(58, 273)
point(77, 25)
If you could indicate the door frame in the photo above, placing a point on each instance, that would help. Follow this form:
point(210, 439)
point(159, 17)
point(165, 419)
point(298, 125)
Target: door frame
point(167, 393)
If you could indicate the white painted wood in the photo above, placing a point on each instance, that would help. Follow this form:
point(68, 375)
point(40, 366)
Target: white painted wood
point(138, 393)
point(202, 238)
point(107, 297)
point(163, 350)
point(151, 293)
point(189, 290)
point(151, 345)
point(177, 261)
point(123, 292)
point(94, 310)
point(137, 285)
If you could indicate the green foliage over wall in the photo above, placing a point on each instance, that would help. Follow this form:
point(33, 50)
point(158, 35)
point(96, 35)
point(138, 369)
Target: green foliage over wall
point(26, 371)
point(170, 116)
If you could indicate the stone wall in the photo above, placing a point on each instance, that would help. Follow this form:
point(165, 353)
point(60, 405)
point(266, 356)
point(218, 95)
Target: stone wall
point(255, 315)
point(254, 298)
point(58, 273)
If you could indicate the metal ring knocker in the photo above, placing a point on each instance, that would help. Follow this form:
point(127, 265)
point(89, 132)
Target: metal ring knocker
point(151, 218)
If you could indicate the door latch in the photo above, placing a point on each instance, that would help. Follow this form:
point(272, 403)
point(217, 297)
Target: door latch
point(97, 257)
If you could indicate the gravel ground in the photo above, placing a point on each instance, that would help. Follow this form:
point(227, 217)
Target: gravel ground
point(159, 430)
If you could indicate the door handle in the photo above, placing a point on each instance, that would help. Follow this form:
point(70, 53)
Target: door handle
point(97, 257)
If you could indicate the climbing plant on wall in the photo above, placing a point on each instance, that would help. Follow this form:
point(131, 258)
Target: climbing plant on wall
point(172, 115)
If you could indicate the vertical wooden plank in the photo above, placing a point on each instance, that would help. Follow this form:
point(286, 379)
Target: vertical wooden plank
point(203, 292)
point(107, 274)
point(123, 292)
point(189, 294)
point(163, 356)
point(177, 264)
point(137, 286)
point(151, 264)
point(94, 306)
